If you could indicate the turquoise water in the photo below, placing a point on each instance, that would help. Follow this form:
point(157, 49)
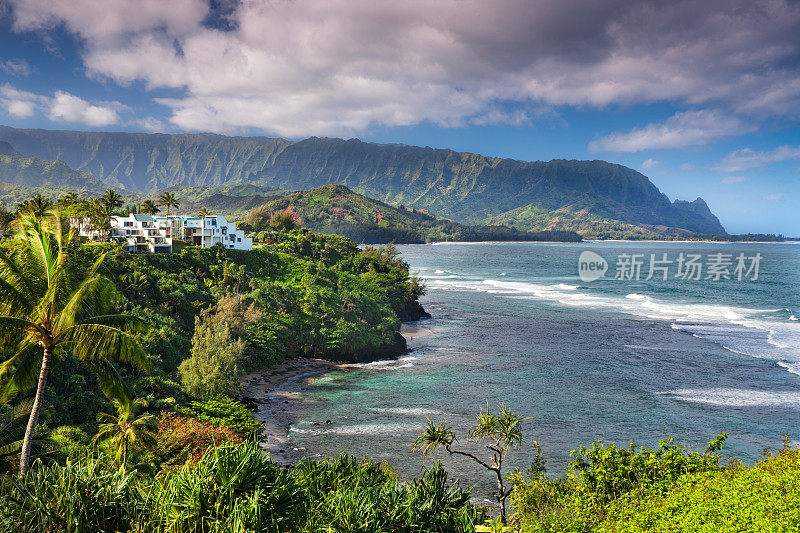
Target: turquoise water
point(618, 360)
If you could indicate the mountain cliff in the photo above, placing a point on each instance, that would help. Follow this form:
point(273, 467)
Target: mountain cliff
point(461, 186)
point(17, 169)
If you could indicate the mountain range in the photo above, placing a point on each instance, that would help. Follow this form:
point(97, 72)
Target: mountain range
point(596, 198)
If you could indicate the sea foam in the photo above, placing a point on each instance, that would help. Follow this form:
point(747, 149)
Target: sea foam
point(763, 333)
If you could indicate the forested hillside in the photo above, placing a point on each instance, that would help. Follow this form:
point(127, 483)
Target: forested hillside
point(461, 186)
point(335, 209)
point(35, 172)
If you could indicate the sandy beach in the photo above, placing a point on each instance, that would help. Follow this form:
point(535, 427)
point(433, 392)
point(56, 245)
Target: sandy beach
point(273, 392)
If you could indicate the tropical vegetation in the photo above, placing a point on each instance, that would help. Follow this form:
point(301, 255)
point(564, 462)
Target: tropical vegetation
point(335, 209)
point(122, 408)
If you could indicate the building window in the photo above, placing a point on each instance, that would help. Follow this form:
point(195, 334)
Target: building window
point(240, 239)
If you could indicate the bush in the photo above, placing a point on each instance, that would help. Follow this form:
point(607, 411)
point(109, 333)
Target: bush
point(229, 414)
point(182, 439)
point(213, 368)
point(233, 488)
point(600, 477)
point(84, 495)
point(351, 495)
point(765, 497)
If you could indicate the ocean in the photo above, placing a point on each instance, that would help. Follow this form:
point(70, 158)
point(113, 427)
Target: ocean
point(620, 360)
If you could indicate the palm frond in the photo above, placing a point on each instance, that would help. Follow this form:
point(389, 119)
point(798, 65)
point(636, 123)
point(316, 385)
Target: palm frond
point(92, 342)
point(14, 330)
point(12, 273)
point(127, 323)
point(92, 297)
point(111, 383)
point(13, 299)
point(21, 371)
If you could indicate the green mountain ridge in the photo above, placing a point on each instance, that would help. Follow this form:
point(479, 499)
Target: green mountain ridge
point(16, 169)
point(335, 209)
point(464, 187)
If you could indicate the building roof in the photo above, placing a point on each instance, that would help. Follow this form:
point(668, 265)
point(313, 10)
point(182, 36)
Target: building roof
point(142, 218)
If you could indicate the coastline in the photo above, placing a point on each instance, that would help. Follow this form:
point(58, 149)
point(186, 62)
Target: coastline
point(273, 393)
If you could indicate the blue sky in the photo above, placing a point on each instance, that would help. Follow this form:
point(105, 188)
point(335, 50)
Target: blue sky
point(703, 98)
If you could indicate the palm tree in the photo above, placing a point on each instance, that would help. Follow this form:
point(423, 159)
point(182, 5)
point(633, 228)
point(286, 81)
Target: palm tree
point(167, 199)
point(149, 207)
point(6, 218)
point(127, 431)
point(50, 309)
point(68, 199)
point(203, 213)
point(111, 200)
point(100, 216)
point(12, 429)
point(36, 206)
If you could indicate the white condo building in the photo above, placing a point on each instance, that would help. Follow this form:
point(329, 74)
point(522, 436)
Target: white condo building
point(148, 234)
point(142, 233)
point(212, 230)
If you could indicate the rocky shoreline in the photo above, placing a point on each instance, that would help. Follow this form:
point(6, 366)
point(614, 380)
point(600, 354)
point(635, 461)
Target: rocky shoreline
point(271, 394)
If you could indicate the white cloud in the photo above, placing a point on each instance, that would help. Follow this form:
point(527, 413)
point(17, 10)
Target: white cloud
point(69, 108)
point(686, 167)
point(730, 180)
point(747, 158)
point(19, 104)
point(686, 129)
point(773, 197)
point(62, 106)
point(16, 67)
point(649, 164)
point(151, 125)
point(337, 66)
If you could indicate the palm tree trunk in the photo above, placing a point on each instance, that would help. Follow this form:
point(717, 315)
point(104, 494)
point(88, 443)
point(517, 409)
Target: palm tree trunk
point(25, 455)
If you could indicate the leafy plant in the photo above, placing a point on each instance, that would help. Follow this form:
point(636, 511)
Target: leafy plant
point(49, 310)
point(227, 413)
point(127, 432)
point(502, 432)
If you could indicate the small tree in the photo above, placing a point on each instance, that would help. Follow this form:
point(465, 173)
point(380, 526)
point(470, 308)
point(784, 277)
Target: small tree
point(213, 368)
point(285, 220)
point(111, 200)
point(127, 431)
point(499, 432)
point(149, 207)
point(36, 206)
point(168, 200)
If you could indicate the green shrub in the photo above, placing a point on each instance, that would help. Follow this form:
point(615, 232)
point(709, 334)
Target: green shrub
point(602, 476)
point(606, 473)
point(233, 488)
point(84, 495)
point(213, 368)
point(351, 495)
point(765, 497)
point(71, 441)
point(227, 413)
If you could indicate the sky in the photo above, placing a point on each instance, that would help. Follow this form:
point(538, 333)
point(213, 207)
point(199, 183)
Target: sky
point(701, 97)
